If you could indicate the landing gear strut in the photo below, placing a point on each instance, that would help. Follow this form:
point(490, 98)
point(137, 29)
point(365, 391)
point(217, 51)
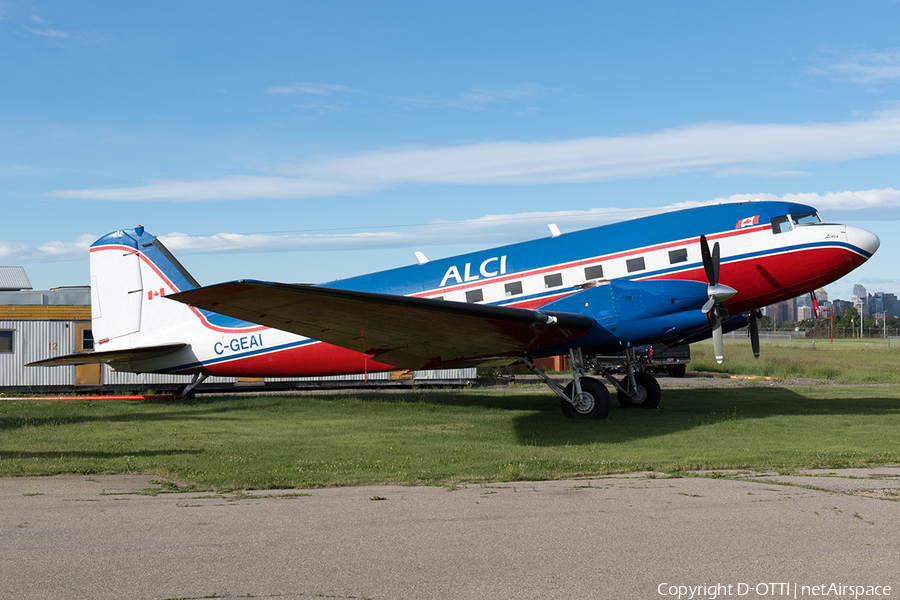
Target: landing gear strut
point(638, 388)
point(187, 392)
point(584, 397)
point(587, 398)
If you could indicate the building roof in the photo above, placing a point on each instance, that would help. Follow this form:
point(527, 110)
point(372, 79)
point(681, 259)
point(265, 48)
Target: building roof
point(14, 279)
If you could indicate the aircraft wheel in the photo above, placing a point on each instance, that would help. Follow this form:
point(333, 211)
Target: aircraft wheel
point(593, 403)
point(647, 394)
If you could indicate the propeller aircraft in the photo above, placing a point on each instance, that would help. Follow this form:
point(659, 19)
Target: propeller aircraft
point(598, 291)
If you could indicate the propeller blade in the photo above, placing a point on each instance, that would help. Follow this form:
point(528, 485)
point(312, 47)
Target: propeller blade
point(718, 340)
point(754, 334)
point(715, 264)
point(707, 261)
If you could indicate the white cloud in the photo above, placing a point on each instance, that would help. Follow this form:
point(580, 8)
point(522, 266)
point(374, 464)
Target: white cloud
point(865, 205)
point(872, 67)
point(476, 99)
point(710, 147)
point(479, 98)
point(48, 32)
point(12, 252)
point(876, 204)
point(315, 89)
point(226, 188)
point(719, 148)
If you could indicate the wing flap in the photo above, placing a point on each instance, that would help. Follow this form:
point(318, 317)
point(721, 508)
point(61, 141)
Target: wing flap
point(406, 332)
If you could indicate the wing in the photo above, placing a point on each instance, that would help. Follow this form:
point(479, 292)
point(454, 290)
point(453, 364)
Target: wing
point(406, 332)
point(112, 356)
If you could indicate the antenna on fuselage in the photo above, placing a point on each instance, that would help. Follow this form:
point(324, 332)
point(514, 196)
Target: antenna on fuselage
point(554, 230)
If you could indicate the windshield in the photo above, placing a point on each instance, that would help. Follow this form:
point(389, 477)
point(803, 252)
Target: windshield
point(806, 219)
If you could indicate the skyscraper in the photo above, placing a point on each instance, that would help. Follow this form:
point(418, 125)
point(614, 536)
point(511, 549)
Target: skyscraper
point(860, 299)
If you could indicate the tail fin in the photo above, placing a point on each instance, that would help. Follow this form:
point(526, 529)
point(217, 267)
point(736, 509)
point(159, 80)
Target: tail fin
point(131, 273)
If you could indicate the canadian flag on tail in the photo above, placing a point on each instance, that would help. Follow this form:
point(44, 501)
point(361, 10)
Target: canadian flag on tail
point(748, 222)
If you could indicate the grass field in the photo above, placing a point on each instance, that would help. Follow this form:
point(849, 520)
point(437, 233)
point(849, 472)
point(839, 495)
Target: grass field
point(844, 361)
point(445, 437)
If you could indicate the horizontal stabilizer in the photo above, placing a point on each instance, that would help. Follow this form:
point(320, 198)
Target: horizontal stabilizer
point(403, 331)
point(111, 356)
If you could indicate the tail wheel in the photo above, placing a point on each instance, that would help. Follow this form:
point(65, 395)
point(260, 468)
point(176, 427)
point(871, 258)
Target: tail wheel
point(592, 403)
point(646, 395)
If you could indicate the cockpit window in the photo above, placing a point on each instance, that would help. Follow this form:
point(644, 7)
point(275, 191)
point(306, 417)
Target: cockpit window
point(806, 219)
point(781, 224)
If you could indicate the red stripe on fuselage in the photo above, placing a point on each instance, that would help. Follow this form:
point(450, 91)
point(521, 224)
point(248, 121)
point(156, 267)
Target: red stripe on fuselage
point(317, 358)
point(764, 280)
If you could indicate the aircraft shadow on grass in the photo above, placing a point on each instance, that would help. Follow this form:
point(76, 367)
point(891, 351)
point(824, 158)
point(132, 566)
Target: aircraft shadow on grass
point(691, 408)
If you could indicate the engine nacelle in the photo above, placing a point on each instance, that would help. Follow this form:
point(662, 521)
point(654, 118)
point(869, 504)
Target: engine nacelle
point(639, 312)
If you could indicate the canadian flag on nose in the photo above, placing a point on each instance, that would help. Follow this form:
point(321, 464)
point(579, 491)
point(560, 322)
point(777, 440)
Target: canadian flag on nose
point(748, 222)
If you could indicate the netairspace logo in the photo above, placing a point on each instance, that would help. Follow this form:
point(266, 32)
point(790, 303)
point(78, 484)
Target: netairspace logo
point(771, 590)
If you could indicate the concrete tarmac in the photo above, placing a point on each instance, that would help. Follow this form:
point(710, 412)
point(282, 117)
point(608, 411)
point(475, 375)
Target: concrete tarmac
point(625, 536)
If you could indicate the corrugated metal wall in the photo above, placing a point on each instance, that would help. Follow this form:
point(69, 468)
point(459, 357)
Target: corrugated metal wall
point(36, 340)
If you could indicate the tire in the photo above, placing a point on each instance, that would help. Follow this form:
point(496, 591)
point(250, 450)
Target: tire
point(596, 400)
point(648, 392)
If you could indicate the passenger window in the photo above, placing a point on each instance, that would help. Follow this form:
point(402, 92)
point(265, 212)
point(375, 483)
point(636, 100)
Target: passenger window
point(635, 264)
point(781, 224)
point(594, 272)
point(551, 281)
point(475, 296)
point(514, 288)
point(806, 219)
point(677, 256)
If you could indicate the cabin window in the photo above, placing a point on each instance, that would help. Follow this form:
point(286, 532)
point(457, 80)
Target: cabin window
point(593, 272)
point(677, 256)
point(635, 264)
point(806, 219)
point(6, 342)
point(514, 288)
point(781, 224)
point(475, 295)
point(551, 281)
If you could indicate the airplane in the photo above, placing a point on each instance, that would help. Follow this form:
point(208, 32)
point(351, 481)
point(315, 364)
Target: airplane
point(598, 291)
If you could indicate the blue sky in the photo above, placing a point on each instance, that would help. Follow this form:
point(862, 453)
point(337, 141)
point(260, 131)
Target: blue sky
point(308, 141)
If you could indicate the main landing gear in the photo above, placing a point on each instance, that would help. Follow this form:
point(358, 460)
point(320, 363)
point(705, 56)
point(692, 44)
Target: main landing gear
point(587, 398)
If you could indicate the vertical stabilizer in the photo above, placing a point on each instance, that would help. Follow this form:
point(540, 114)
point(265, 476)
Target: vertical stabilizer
point(131, 274)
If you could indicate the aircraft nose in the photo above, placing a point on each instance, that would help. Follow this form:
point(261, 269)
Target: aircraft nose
point(862, 239)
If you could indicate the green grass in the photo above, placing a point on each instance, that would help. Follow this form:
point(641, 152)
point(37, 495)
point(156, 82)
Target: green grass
point(845, 361)
point(415, 437)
